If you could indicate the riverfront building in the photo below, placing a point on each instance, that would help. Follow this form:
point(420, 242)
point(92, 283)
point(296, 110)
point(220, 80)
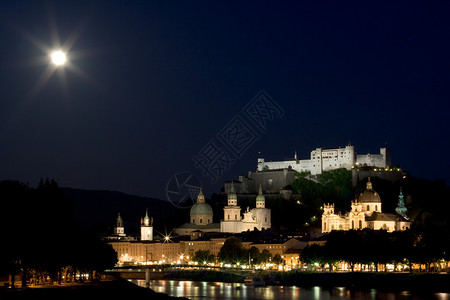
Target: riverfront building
point(181, 250)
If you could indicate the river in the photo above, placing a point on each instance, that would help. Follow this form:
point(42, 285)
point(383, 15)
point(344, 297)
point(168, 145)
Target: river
point(221, 290)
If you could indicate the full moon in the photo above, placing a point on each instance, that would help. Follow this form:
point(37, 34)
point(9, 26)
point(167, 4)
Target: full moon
point(58, 58)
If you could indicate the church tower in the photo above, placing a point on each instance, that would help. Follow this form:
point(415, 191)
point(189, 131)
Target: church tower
point(401, 208)
point(260, 199)
point(261, 213)
point(231, 214)
point(146, 228)
point(119, 230)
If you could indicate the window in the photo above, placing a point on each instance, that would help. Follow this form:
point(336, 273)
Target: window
point(228, 217)
point(360, 224)
point(353, 224)
point(368, 207)
point(235, 217)
point(201, 220)
point(376, 207)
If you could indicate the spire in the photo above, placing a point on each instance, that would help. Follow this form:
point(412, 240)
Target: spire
point(119, 229)
point(295, 154)
point(146, 220)
point(119, 221)
point(232, 197)
point(401, 208)
point(200, 197)
point(260, 199)
point(369, 184)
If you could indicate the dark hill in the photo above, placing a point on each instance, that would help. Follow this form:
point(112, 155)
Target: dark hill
point(97, 210)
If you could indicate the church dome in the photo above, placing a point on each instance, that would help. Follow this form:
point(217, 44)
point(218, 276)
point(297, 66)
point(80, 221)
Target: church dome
point(260, 196)
point(201, 207)
point(369, 195)
point(232, 195)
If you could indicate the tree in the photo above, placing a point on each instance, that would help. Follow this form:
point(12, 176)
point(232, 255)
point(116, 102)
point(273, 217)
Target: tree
point(42, 235)
point(265, 256)
point(277, 259)
point(203, 257)
point(254, 256)
point(316, 255)
point(232, 251)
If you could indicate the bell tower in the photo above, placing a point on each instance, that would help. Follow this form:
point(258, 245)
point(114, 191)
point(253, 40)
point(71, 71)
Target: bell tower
point(146, 227)
point(119, 230)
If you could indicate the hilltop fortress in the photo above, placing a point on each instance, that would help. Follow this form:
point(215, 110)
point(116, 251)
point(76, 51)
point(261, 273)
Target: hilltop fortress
point(273, 176)
point(322, 159)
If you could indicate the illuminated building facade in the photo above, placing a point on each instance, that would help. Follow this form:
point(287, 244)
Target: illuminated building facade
point(365, 213)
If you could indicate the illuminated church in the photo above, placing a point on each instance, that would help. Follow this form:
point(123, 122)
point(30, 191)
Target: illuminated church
point(366, 213)
point(256, 218)
point(201, 216)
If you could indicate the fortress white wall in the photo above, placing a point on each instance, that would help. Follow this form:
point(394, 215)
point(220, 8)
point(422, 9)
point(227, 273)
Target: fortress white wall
point(328, 159)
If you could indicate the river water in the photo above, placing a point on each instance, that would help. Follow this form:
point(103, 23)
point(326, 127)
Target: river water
point(221, 290)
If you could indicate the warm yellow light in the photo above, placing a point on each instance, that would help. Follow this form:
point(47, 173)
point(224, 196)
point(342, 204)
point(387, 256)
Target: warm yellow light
point(58, 58)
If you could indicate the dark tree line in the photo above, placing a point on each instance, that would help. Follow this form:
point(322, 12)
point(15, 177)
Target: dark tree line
point(378, 247)
point(41, 239)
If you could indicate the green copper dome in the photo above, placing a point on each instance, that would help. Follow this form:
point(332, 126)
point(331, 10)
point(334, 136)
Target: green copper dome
point(232, 194)
point(260, 196)
point(201, 209)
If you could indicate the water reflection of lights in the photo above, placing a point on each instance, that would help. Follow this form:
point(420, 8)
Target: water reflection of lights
point(226, 291)
point(442, 296)
point(316, 291)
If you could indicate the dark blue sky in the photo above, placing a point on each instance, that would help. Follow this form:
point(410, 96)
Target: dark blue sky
point(151, 83)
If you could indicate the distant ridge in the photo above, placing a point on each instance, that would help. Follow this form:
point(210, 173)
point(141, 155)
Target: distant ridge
point(97, 209)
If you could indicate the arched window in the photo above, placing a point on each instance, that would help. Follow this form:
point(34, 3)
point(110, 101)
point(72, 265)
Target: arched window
point(325, 225)
point(353, 224)
point(228, 217)
point(265, 219)
point(201, 220)
point(360, 224)
point(235, 217)
point(376, 207)
point(368, 207)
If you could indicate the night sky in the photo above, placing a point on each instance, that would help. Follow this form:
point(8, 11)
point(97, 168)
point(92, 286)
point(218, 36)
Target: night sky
point(150, 84)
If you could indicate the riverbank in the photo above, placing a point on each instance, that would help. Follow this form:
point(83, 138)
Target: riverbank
point(111, 288)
